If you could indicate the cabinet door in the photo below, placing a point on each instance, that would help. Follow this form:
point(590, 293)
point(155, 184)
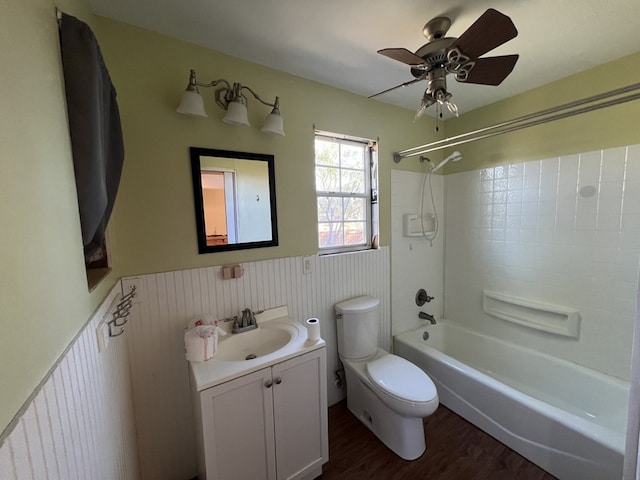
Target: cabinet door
point(237, 422)
point(300, 411)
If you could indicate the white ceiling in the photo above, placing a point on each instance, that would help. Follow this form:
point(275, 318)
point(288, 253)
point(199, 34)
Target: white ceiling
point(334, 42)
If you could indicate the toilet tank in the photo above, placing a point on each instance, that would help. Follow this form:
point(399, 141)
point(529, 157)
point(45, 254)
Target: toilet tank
point(358, 323)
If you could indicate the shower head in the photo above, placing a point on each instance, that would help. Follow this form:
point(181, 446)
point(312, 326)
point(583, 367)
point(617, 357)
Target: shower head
point(455, 156)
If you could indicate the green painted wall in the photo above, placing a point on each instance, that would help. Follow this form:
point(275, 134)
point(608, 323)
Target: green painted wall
point(154, 226)
point(43, 291)
point(605, 128)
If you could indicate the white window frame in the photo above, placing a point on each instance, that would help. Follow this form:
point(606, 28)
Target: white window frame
point(370, 195)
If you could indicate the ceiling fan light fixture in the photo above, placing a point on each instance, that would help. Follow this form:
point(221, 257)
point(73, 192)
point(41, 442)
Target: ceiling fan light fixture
point(458, 56)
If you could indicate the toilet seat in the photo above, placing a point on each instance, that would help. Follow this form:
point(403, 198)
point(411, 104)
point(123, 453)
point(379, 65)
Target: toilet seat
point(401, 380)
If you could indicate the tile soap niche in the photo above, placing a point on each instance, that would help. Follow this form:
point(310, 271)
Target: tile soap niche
point(412, 226)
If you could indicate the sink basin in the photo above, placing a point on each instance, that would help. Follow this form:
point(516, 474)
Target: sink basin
point(276, 339)
point(254, 343)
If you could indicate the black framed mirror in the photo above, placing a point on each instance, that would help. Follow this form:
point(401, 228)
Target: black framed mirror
point(235, 199)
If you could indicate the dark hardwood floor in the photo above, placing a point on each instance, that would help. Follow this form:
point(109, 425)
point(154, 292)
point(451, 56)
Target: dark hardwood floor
point(456, 450)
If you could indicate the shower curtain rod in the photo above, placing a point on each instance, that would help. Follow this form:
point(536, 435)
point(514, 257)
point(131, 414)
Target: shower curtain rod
point(525, 121)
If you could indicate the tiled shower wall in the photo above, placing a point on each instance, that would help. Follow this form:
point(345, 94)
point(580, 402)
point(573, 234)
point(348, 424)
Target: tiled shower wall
point(80, 424)
point(167, 301)
point(561, 230)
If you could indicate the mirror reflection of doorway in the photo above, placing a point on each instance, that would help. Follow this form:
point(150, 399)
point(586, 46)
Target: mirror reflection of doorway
point(220, 213)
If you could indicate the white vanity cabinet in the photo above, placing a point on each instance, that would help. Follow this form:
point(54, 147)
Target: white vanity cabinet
point(270, 424)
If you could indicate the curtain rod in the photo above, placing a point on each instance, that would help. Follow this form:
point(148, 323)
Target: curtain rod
point(525, 121)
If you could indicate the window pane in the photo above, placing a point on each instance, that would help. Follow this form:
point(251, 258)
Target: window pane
point(330, 235)
point(352, 181)
point(354, 209)
point(327, 179)
point(327, 153)
point(352, 156)
point(330, 209)
point(354, 233)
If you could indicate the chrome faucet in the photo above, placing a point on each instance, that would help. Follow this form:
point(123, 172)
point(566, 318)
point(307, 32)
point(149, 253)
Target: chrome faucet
point(427, 316)
point(246, 322)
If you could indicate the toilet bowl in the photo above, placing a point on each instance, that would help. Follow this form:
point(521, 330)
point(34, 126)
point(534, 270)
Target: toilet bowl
point(389, 394)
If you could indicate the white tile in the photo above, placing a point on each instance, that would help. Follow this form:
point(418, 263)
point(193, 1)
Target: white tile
point(486, 186)
point(566, 207)
point(515, 170)
point(613, 164)
point(629, 240)
point(568, 169)
point(590, 168)
point(500, 197)
point(608, 238)
point(632, 173)
point(487, 174)
point(532, 182)
point(514, 208)
point(500, 172)
point(610, 199)
point(532, 169)
point(514, 196)
point(529, 222)
point(499, 209)
point(609, 222)
point(631, 223)
point(500, 184)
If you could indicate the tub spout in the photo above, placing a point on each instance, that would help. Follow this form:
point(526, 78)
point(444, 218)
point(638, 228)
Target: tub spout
point(427, 316)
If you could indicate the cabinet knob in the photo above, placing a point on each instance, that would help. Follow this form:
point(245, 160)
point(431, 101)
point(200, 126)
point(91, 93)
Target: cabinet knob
point(278, 380)
point(268, 383)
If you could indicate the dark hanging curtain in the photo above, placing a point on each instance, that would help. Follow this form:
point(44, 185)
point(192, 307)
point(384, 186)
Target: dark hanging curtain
point(94, 125)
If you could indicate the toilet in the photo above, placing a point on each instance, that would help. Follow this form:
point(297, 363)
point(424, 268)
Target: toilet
point(389, 394)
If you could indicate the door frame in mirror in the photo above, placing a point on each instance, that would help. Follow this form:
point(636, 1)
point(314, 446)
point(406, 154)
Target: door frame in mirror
point(196, 168)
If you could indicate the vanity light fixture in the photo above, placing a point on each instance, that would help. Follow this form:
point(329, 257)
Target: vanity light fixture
point(231, 99)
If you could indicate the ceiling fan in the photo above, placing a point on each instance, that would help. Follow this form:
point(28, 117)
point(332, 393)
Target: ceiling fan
point(457, 56)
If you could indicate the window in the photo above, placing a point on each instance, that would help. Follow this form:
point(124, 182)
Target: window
point(346, 189)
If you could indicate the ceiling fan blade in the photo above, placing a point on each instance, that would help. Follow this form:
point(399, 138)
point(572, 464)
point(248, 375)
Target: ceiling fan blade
point(489, 31)
point(491, 70)
point(402, 55)
point(410, 82)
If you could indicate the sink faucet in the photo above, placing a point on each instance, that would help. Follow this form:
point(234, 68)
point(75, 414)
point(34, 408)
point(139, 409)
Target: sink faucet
point(246, 322)
point(426, 316)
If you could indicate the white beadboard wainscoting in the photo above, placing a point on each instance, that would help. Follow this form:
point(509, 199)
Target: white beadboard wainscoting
point(79, 424)
point(167, 301)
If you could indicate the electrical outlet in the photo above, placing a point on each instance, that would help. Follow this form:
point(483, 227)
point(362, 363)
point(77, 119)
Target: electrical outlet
point(102, 332)
point(128, 283)
point(307, 263)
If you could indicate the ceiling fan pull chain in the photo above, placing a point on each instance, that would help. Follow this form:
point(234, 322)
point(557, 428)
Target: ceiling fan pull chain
point(438, 115)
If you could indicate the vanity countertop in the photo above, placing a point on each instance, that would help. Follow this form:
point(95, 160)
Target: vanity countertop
point(215, 371)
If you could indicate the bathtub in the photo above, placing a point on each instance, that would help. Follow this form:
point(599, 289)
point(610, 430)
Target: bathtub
point(567, 419)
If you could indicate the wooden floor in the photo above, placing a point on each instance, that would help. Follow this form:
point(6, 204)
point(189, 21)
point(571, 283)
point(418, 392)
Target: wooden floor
point(456, 450)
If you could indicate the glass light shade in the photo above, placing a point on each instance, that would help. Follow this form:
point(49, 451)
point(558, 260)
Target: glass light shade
point(191, 104)
point(273, 125)
point(237, 114)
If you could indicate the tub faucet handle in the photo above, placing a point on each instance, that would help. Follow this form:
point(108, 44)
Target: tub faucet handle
point(427, 316)
point(423, 297)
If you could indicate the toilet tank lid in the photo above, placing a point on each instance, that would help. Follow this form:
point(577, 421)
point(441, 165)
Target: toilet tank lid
point(359, 304)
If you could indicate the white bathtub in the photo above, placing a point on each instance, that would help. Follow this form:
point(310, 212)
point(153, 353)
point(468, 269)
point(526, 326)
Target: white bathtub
point(567, 419)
